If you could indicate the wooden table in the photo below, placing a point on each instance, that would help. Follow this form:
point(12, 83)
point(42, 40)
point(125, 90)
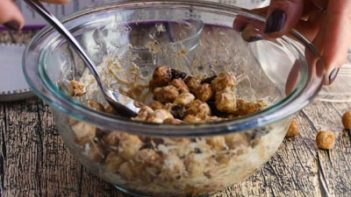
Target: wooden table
point(34, 161)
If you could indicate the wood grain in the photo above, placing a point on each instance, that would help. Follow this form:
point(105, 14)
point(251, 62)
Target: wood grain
point(34, 161)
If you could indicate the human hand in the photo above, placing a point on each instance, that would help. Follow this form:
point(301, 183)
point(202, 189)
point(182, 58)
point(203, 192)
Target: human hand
point(11, 16)
point(326, 23)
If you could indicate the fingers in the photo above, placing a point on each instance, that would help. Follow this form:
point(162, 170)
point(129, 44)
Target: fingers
point(10, 16)
point(336, 39)
point(283, 15)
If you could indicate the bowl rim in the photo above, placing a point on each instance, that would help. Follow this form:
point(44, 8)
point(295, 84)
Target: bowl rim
point(287, 106)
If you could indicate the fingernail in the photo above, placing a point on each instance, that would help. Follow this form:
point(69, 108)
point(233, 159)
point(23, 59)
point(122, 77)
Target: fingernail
point(333, 74)
point(275, 21)
point(13, 25)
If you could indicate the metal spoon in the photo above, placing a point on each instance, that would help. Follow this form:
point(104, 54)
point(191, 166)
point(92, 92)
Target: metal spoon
point(113, 97)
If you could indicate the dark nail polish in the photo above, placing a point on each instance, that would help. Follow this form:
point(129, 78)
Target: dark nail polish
point(333, 74)
point(13, 25)
point(275, 21)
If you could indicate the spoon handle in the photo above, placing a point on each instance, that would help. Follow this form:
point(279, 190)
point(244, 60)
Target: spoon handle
point(53, 21)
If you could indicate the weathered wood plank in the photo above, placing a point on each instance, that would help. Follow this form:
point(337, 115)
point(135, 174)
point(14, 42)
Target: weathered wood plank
point(60, 171)
point(2, 149)
point(22, 162)
point(334, 165)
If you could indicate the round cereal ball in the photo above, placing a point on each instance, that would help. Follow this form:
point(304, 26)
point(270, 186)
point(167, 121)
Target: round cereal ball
point(325, 140)
point(346, 120)
point(293, 130)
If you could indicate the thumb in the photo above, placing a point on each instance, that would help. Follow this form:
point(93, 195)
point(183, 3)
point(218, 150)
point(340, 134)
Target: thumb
point(282, 16)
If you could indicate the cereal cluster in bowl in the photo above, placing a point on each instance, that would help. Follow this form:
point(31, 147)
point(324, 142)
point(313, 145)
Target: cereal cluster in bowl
point(179, 98)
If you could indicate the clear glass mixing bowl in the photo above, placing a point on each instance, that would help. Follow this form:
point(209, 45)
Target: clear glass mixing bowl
point(170, 160)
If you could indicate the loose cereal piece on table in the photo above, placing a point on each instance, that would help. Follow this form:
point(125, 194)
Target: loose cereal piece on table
point(204, 92)
point(166, 94)
point(226, 101)
point(184, 99)
point(84, 132)
point(293, 130)
point(346, 120)
point(223, 81)
point(77, 88)
point(325, 140)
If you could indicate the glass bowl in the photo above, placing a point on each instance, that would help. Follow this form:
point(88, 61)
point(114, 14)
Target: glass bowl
point(147, 159)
